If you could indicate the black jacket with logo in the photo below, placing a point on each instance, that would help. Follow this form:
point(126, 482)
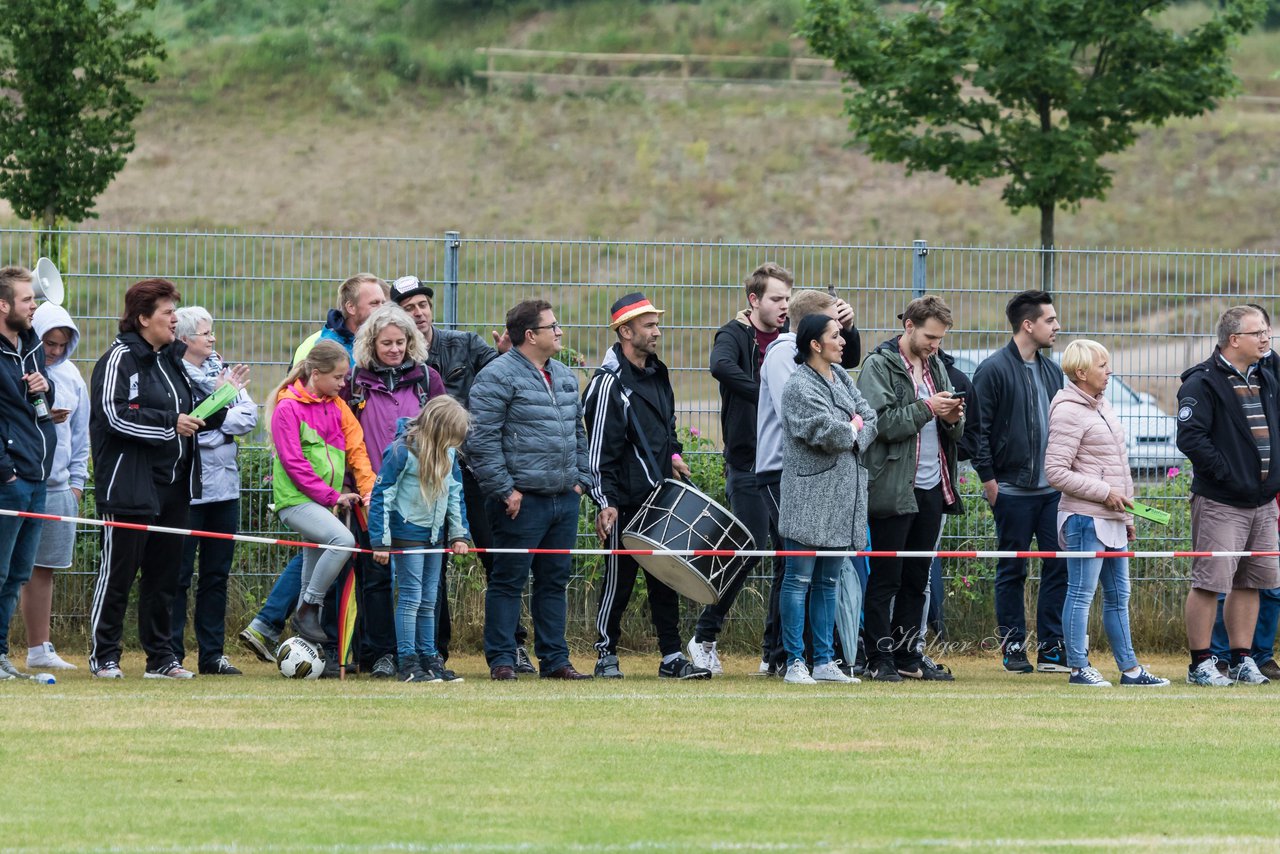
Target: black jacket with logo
point(26, 444)
point(1213, 433)
point(135, 396)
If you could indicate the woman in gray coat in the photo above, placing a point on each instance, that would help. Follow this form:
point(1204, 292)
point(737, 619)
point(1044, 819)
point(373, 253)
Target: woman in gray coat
point(825, 425)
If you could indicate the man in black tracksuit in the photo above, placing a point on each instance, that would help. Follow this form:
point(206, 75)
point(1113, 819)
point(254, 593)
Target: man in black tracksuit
point(630, 416)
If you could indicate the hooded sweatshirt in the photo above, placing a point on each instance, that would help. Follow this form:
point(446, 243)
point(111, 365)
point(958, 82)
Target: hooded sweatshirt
point(71, 456)
point(315, 438)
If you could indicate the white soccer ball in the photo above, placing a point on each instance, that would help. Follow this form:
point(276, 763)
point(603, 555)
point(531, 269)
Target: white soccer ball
point(299, 659)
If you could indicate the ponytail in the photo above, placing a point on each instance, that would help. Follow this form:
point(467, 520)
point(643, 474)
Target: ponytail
point(325, 356)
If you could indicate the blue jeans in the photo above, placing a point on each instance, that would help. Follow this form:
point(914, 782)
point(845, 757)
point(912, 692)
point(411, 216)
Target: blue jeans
point(18, 541)
point(1018, 519)
point(820, 573)
point(417, 580)
point(281, 600)
point(1083, 575)
point(1264, 634)
point(544, 521)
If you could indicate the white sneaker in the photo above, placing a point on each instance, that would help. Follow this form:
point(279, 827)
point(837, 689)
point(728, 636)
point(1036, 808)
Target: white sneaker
point(45, 657)
point(172, 670)
point(798, 674)
point(110, 670)
point(1247, 672)
point(1206, 673)
point(704, 655)
point(8, 667)
point(830, 672)
point(762, 670)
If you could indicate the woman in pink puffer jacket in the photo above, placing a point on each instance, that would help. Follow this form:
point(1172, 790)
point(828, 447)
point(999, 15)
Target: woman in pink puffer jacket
point(1087, 461)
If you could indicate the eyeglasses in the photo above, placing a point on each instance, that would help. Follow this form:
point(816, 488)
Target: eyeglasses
point(548, 326)
point(208, 335)
point(1260, 334)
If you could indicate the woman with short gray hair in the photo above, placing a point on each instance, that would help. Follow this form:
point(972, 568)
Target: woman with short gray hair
point(218, 509)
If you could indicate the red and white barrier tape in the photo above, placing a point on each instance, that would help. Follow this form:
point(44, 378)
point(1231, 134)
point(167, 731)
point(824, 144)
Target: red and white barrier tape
point(972, 555)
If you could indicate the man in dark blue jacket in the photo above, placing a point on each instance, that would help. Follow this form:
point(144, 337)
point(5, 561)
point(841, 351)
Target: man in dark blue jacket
point(1015, 385)
point(1228, 426)
point(27, 441)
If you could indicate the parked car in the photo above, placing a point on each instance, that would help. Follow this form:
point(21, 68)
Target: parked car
point(1150, 432)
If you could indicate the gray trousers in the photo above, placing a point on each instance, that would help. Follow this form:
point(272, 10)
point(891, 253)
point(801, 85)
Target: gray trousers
point(320, 567)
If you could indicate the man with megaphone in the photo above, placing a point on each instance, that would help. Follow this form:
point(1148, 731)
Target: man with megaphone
point(27, 442)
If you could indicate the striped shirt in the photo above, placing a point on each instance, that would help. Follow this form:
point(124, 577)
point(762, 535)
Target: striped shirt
point(1249, 392)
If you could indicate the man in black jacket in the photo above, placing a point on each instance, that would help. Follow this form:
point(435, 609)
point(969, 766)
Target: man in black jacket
point(27, 441)
point(1015, 385)
point(1228, 424)
point(736, 357)
point(629, 411)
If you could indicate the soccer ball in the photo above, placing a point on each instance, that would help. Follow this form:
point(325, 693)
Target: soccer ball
point(299, 659)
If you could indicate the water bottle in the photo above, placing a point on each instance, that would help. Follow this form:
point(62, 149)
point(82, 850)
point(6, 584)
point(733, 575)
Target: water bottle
point(45, 679)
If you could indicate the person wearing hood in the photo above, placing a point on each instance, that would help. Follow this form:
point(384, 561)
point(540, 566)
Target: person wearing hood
point(28, 443)
point(1087, 461)
point(70, 411)
point(146, 464)
point(218, 508)
point(629, 414)
point(391, 381)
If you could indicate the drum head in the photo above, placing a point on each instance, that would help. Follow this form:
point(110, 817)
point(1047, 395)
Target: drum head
point(671, 570)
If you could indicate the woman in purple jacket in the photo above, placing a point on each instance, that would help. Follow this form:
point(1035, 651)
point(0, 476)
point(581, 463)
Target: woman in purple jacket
point(390, 381)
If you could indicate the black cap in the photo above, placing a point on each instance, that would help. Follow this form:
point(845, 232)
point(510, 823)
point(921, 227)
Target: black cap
point(407, 287)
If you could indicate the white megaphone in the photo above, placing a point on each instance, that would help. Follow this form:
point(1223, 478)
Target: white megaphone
point(48, 284)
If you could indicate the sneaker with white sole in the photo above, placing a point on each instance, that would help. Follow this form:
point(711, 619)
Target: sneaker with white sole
point(1206, 673)
point(1089, 677)
point(172, 670)
point(258, 643)
point(108, 670)
point(1143, 678)
point(9, 667)
point(830, 672)
point(798, 674)
point(682, 668)
point(1248, 673)
point(703, 654)
point(45, 657)
point(763, 669)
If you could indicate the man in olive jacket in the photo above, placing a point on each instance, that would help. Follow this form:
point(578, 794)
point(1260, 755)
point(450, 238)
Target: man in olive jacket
point(912, 468)
point(528, 450)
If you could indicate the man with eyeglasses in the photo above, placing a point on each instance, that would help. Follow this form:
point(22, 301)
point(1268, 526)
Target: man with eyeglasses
point(1228, 423)
point(528, 450)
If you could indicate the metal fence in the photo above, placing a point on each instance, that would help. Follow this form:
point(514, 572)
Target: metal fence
point(1154, 310)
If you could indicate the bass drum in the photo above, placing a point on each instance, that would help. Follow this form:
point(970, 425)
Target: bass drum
point(676, 516)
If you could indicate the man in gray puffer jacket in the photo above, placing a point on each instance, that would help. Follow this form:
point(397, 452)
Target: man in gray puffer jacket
point(528, 451)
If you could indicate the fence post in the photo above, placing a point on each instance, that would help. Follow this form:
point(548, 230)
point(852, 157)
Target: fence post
point(919, 267)
point(452, 244)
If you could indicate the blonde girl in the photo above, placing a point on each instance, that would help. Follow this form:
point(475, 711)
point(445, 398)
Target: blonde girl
point(417, 497)
point(316, 437)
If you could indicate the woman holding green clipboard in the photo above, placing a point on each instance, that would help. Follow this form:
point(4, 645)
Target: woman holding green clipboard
point(1086, 460)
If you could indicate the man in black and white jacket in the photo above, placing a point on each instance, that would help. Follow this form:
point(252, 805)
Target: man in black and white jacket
point(630, 418)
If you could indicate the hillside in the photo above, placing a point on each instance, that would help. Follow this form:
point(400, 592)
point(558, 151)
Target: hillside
point(350, 117)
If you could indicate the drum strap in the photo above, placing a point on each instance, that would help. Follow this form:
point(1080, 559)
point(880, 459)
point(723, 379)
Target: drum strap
point(635, 426)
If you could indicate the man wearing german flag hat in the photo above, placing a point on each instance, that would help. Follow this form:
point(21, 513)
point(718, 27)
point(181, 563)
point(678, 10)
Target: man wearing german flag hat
point(630, 414)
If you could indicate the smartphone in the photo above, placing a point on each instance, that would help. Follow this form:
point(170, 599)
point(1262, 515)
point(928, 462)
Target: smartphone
point(959, 394)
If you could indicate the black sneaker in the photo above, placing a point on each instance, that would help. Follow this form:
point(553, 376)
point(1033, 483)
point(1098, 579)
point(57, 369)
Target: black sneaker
point(384, 668)
point(607, 667)
point(1052, 659)
point(331, 668)
point(682, 668)
point(523, 664)
point(411, 671)
point(1015, 658)
point(434, 666)
point(221, 667)
point(929, 671)
point(884, 672)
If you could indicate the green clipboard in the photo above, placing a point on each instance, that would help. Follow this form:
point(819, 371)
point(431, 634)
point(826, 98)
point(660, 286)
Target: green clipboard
point(222, 396)
point(1146, 511)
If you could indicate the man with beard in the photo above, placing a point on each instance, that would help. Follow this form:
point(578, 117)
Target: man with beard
point(27, 442)
point(630, 415)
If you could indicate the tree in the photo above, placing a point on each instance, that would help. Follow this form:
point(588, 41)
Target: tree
point(66, 109)
point(1034, 91)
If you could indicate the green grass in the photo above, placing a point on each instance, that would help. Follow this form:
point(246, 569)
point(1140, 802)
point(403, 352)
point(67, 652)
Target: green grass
point(993, 760)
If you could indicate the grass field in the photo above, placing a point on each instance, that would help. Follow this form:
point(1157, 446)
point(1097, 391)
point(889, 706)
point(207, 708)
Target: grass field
point(740, 764)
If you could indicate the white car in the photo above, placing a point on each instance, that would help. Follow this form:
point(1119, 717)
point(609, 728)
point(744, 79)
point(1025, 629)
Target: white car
point(1150, 433)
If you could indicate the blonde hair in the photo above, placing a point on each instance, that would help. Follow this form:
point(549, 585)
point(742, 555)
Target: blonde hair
point(365, 353)
point(807, 302)
point(349, 291)
point(326, 356)
point(441, 425)
point(1081, 355)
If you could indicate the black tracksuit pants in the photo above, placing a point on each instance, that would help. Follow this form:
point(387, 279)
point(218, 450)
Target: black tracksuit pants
point(156, 560)
point(619, 580)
